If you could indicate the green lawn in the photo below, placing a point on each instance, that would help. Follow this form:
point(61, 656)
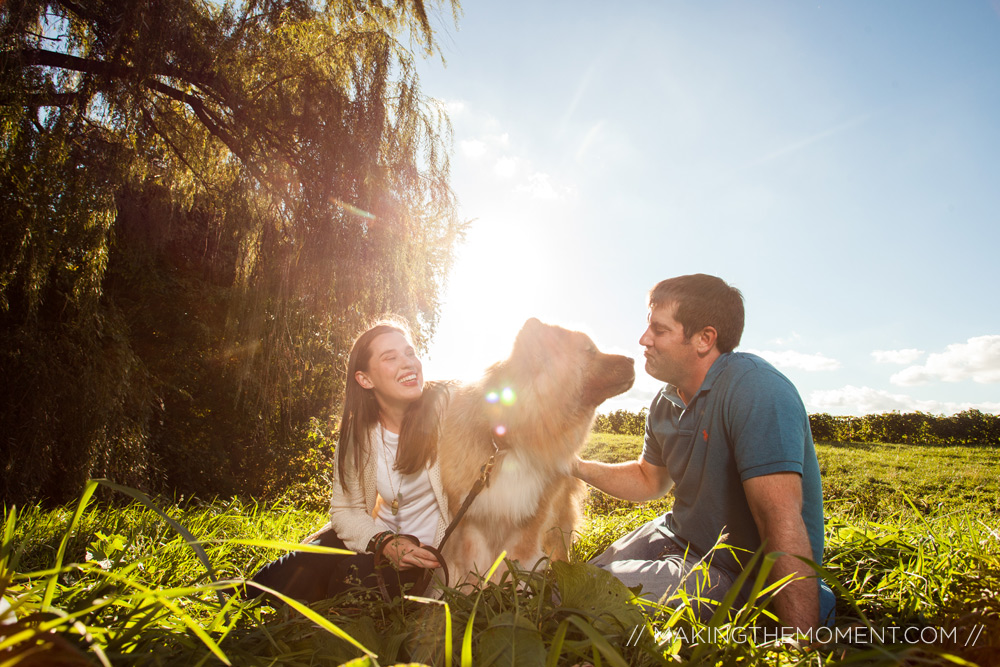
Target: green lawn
point(874, 479)
point(913, 537)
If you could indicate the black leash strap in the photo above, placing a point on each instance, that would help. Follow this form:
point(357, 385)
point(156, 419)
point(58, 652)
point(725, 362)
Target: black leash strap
point(481, 482)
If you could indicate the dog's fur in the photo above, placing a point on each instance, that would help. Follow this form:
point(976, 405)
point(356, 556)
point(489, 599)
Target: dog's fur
point(531, 506)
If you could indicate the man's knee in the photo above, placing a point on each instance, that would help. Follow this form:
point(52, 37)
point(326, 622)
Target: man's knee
point(644, 543)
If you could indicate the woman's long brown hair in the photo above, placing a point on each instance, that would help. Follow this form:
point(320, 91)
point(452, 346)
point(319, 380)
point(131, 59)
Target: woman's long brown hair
point(419, 431)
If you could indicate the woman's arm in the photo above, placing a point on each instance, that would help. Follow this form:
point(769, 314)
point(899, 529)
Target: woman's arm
point(349, 514)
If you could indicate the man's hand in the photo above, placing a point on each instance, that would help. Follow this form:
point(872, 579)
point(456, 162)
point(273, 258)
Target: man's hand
point(776, 504)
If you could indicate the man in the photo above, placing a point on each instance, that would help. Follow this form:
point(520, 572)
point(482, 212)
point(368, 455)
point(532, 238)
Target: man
point(730, 435)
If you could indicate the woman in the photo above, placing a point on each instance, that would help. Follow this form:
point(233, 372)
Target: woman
point(387, 496)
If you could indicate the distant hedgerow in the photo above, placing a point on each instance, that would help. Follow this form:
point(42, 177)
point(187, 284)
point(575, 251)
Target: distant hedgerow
point(969, 427)
point(622, 422)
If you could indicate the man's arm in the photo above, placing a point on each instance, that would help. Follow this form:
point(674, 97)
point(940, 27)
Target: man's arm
point(776, 504)
point(637, 481)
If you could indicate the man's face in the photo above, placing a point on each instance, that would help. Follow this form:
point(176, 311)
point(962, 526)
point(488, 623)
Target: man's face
point(669, 355)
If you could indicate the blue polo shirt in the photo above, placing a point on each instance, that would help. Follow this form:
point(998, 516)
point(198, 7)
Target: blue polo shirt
point(746, 420)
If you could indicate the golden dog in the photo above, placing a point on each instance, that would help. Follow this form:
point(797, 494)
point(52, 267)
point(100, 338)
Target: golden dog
point(534, 411)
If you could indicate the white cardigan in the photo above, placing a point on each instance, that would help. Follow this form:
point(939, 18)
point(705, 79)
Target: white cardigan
point(352, 512)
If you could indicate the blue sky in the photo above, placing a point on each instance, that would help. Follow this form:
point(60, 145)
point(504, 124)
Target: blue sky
point(838, 162)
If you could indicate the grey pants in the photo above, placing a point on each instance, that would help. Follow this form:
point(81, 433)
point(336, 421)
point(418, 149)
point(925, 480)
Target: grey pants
point(647, 556)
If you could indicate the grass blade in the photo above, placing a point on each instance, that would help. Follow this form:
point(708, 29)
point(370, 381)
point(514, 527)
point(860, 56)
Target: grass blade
point(599, 642)
point(7, 544)
point(447, 625)
point(555, 650)
point(281, 545)
point(467, 635)
point(184, 532)
point(315, 618)
point(50, 585)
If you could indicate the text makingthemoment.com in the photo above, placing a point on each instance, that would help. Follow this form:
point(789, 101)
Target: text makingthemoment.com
point(857, 635)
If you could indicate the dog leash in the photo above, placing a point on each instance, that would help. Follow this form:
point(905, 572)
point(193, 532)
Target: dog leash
point(425, 579)
point(481, 482)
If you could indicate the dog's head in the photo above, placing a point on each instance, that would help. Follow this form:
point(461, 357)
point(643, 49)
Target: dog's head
point(555, 376)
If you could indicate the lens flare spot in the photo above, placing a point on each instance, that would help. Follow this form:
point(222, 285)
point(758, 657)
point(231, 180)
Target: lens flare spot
point(492, 397)
point(353, 209)
point(500, 430)
point(507, 396)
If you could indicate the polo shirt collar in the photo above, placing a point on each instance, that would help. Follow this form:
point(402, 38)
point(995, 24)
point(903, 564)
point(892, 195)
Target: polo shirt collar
point(669, 392)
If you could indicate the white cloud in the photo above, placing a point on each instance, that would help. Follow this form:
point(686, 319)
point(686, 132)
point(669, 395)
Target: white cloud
point(474, 148)
point(798, 360)
point(485, 144)
point(978, 359)
point(785, 341)
point(633, 401)
point(454, 107)
point(540, 186)
point(907, 356)
point(480, 138)
point(505, 167)
point(858, 401)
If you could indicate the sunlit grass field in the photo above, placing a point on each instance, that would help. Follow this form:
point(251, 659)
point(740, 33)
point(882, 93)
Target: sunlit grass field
point(913, 541)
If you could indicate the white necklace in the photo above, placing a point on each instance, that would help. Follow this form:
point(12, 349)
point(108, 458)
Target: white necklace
point(398, 495)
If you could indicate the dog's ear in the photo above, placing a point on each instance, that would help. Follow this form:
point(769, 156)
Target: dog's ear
point(530, 334)
point(528, 344)
point(533, 323)
point(532, 326)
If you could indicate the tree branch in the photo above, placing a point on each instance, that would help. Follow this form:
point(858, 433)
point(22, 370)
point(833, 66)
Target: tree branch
point(79, 10)
point(44, 58)
point(205, 115)
point(40, 99)
point(215, 126)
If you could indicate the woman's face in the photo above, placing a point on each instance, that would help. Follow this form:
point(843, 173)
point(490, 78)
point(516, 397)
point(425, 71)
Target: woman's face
point(394, 372)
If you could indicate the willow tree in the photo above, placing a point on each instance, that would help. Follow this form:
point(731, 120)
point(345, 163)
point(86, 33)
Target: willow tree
point(200, 203)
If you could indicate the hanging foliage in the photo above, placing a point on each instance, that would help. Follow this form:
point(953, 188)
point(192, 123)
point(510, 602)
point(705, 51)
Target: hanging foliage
point(200, 205)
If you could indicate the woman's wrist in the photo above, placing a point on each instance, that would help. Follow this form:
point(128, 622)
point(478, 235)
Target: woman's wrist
point(378, 541)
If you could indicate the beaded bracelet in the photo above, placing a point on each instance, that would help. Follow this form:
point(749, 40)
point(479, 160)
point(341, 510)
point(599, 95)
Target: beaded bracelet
point(378, 540)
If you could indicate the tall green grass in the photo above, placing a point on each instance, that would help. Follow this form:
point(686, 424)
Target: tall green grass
point(913, 541)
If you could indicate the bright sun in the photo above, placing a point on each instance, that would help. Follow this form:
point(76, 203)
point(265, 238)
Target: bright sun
point(502, 276)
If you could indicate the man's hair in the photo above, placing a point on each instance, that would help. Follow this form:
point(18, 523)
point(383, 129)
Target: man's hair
point(703, 301)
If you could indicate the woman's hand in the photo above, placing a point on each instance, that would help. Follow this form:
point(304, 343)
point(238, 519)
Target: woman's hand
point(405, 554)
